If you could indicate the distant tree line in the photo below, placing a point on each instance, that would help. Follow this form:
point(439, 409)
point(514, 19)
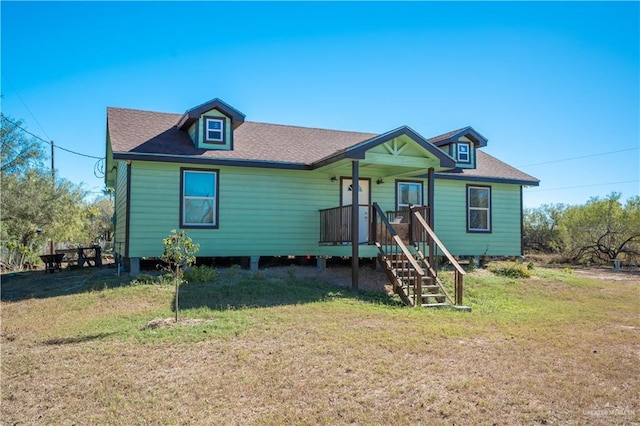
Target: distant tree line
point(599, 231)
point(35, 209)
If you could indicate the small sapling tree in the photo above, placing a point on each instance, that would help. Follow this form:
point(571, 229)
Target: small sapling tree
point(179, 251)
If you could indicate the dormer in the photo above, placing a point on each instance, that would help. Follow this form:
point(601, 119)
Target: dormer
point(211, 125)
point(461, 145)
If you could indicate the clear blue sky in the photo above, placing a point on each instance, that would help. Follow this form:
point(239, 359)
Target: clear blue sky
point(553, 86)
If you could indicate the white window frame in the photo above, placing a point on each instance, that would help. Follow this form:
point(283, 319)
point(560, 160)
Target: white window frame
point(471, 208)
point(213, 198)
point(399, 206)
point(467, 154)
point(207, 130)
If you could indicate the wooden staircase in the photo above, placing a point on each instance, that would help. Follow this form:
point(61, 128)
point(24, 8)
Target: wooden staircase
point(414, 289)
point(410, 268)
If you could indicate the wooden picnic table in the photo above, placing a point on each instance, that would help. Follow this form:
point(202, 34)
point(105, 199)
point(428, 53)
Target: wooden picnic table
point(85, 255)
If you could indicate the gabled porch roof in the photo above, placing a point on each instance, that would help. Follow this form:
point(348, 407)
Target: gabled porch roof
point(358, 151)
point(399, 152)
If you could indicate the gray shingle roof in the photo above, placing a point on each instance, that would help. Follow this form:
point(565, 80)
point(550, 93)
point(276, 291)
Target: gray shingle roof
point(145, 132)
point(137, 131)
point(490, 168)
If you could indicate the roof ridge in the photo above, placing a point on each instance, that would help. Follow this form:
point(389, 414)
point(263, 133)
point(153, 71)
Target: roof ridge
point(251, 121)
point(141, 110)
point(311, 128)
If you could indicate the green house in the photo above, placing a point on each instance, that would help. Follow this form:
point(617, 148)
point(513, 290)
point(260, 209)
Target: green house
point(249, 189)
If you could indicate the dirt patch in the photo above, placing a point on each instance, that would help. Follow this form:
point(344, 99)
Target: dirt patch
point(609, 274)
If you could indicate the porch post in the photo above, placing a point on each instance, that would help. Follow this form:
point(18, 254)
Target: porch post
point(431, 198)
point(355, 223)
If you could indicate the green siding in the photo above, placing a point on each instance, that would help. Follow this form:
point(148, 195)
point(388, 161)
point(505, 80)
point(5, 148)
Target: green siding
point(120, 207)
point(451, 225)
point(273, 212)
point(262, 212)
point(192, 130)
point(109, 175)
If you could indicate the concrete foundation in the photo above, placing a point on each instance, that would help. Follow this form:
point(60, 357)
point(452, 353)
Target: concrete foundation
point(132, 264)
point(321, 263)
point(253, 263)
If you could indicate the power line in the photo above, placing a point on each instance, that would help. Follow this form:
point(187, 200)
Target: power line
point(577, 158)
point(582, 186)
point(49, 142)
point(25, 105)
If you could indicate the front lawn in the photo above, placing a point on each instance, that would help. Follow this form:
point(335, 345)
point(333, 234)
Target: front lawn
point(554, 348)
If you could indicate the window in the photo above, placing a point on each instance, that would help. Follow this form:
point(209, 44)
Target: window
point(214, 130)
point(463, 152)
point(478, 209)
point(199, 206)
point(408, 193)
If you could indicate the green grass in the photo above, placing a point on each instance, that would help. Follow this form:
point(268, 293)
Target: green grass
point(554, 348)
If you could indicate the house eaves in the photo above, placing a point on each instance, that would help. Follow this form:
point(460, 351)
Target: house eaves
point(187, 159)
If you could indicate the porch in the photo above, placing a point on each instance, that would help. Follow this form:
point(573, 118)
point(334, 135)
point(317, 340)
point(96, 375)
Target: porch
point(407, 247)
point(337, 227)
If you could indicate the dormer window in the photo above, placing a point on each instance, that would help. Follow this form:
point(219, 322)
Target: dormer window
point(214, 130)
point(463, 153)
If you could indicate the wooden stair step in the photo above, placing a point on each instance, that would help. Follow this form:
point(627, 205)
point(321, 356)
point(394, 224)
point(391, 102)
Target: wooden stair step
point(398, 261)
point(431, 287)
point(427, 282)
point(435, 305)
point(425, 295)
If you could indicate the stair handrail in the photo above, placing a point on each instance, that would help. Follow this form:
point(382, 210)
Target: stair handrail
point(459, 272)
point(398, 240)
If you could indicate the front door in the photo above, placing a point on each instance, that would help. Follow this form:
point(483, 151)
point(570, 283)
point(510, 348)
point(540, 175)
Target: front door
point(364, 197)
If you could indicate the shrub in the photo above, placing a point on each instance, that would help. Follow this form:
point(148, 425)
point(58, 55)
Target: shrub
point(200, 274)
point(144, 279)
point(233, 271)
point(148, 279)
point(510, 269)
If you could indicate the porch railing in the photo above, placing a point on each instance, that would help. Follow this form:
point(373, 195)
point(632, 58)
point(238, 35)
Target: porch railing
point(335, 224)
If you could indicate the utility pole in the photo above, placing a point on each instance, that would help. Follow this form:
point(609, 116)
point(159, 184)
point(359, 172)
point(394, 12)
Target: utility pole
point(53, 182)
point(53, 169)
